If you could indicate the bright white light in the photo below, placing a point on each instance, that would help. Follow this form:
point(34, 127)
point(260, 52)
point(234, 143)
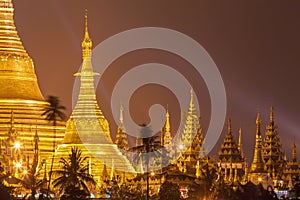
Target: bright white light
point(152, 173)
point(259, 179)
point(181, 147)
point(17, 145)
point(18, 165)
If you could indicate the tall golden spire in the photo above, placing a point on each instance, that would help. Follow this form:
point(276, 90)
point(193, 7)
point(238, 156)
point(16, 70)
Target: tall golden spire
point(258, 162)
point(87, 107)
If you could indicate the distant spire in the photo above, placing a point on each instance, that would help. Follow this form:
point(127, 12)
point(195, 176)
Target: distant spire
point(257, 165)
point(294, 152)
point(192, 97)
point(240, 142)
point(271, 115)
point(167, 133)
point(229, 125)
point(258, 123)
point(121, 137)
point(121, 118)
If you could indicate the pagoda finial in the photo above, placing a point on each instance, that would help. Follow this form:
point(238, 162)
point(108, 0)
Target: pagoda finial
point(258, 123)
point(294, 152)
point(167, 134)
point(240, 142)
point(271, 114)
point(121, 117)
point(192, 98)
point(87, 42)
point(229, 125)
point(167, 126)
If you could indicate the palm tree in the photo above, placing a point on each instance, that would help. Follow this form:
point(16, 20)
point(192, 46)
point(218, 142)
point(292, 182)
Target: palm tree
point(53, 113)
point(148, 145)
point(73, 177)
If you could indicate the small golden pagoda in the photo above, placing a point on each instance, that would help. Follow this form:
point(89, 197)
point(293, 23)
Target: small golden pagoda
point(258, 173)
point(191, 141)
point(231, 160)
point(121, 137)
point(88, 129)
point(19, 91)
point(272, 154)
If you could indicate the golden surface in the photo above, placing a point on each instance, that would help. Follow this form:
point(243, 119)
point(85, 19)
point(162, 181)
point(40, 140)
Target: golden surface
point(88, 129)
point(19, 91)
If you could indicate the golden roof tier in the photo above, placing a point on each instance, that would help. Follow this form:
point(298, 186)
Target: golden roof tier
point(20, 92)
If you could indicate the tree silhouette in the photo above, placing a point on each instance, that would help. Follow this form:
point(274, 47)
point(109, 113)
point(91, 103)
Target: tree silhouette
point(73, 177)
point(53, 112)
point(149, 144)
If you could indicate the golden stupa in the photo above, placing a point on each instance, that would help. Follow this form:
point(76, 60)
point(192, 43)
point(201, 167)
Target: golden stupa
point(88, 129)
point(20, 95)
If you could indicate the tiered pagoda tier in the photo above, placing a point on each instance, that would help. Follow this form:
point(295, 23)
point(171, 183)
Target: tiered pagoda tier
point(88, 129)
point(272, 153)
point(230, 158)
point(20, 92)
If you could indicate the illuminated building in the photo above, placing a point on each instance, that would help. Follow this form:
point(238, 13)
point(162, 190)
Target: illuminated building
point(88, 129)
point(191, 140)
point(20, 92)
point(231, 160)
point(272, 153)
point(121, 137)
point(258, 172)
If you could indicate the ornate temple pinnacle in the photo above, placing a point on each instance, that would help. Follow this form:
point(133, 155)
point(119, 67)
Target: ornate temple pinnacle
point(294, 152)
point(258, 123)
point(121, 125)
point(87, 42)
point(192, 98)
point(257, 165)
point(229, 125)
point(168, 126)
point(271, 114)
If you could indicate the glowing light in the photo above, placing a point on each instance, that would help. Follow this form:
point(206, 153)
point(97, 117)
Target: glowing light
point(259, 179)
point(17, 145)
point(181, 147)
point(25, 171)
point(152, 173)
point(18, 165)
